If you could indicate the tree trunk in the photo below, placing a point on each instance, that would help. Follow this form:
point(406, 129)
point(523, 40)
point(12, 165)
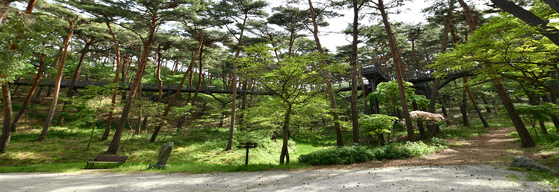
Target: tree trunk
point(234, 88)
point(30, 94)
point(199, 76)
point(115, 143)
point(467, 87)
point(525, 137)
point(284, 156)
point(4, 9)
point(487, 108)
point(75, 79)
point(243, 105)
point(354, 58)
point(468, 14)
point(463, 110)
point(44, 132)
point(30, 6)
point(327, 79)
point(399, 71)
point(158, 76)
point(553, 4)
point(6, 130)
point(168, 108)
point(530, 18)
point(554, 117)
point(115, 89)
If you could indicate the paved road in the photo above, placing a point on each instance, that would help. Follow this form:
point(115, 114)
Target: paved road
point(418, 178)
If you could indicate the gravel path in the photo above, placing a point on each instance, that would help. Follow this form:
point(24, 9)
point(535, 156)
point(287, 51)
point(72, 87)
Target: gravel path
point(413, 178)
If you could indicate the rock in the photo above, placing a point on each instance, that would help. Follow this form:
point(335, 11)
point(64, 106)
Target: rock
point(164, 153)
point(524, 161)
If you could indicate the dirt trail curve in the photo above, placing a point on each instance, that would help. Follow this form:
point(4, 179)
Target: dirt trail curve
point(477, 165)
point(495, 147)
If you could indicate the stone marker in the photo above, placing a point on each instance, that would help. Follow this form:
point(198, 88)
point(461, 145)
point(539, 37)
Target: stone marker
point(524, 161)
point(164, 153)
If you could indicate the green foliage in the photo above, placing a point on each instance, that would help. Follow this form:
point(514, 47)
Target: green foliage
point(504, 47)
point(355, 154)
point(535, 113)
point(376, 124)
point(389, 93)
point(21, 37)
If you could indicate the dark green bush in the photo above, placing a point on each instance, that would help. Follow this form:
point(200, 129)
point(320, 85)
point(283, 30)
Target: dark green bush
point(356, 154)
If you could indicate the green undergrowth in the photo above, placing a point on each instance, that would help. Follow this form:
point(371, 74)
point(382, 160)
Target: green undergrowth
point(195, 150)
point(356, 154)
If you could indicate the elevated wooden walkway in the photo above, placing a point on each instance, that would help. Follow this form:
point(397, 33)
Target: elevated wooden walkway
point(150, 87)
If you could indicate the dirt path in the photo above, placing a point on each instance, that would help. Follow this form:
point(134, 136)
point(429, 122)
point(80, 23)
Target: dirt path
point(495, 147)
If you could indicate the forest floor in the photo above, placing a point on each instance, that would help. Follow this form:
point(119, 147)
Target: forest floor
point(475, 164)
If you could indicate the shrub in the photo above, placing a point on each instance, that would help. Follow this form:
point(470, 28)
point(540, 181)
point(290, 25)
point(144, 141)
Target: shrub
point(356, 154)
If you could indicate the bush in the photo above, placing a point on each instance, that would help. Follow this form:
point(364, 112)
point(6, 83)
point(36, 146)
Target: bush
point(356, 154)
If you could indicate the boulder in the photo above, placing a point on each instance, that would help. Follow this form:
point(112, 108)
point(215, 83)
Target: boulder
point(164, 153)
point(526, 162)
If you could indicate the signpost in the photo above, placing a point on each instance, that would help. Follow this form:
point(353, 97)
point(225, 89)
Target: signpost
point(247, 145)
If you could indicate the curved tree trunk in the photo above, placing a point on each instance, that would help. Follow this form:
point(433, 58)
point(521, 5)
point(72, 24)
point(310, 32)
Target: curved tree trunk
point(199, 76)
point(115, 143)
point(327, 79)
point(30, 94)
point(115, 89)
point(75, 79)
point(168, 108)
point(399, 76)
point(44, 132)
point(234, 88)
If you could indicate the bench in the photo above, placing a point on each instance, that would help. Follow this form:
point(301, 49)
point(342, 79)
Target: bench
point(107, 159)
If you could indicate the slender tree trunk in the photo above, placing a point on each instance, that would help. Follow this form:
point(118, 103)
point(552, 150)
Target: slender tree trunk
point(487, 108)
point(6, 130)
point(176, 67)
point(354, 58)
point(199, 76)
point(44, 132)
point(467, 87)
point(415, 57)
point(75, 79)
point(525, 137)
point(234, 88)
point(158, 75)
point(463, 110)
point(30, 94)
point(243, 105)
point(115, 143)
point(4, 9)
point(284, 156)
point(327, 79)
point(168, 108)
point(399, 76)
point(115, 89)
